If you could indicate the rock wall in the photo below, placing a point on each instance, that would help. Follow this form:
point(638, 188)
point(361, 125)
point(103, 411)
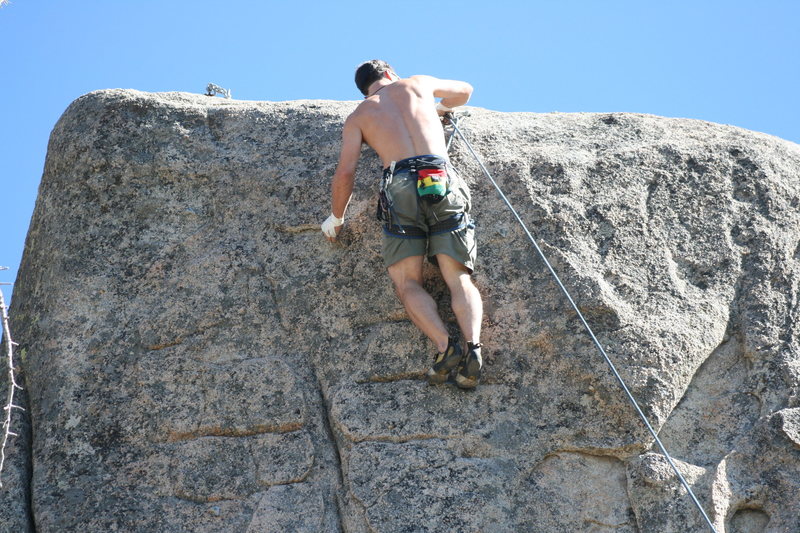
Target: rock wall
point(198, 358)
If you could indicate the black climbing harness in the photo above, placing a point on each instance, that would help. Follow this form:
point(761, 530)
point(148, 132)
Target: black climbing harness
point(432, 187)
point(457, 131)
point(453, 223)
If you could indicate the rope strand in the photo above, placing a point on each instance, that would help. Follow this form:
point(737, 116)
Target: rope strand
point(633, 401)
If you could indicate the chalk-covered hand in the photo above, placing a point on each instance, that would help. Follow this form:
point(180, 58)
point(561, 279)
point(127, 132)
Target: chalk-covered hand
point(331, 226)
point(442, 109)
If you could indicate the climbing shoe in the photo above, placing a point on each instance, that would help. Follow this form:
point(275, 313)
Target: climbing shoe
point(469, 369)
point(445, 362)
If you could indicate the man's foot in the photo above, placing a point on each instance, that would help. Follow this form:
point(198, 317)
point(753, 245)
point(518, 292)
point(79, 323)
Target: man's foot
point(469, 370)
point(445, 362)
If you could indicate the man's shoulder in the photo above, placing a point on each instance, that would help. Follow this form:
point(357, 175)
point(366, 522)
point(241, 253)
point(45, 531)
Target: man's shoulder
point(357, 112)
point(356, 118)
point(422, 80)
point(363, 109)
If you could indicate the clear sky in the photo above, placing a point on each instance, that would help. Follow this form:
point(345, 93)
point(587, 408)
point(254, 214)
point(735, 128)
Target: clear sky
point(734, 62)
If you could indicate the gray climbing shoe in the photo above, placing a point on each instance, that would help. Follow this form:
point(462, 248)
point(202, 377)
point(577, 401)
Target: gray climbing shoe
point(469, 369)
point(445, 362)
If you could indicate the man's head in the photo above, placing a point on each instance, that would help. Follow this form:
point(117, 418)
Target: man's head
point(369, 72)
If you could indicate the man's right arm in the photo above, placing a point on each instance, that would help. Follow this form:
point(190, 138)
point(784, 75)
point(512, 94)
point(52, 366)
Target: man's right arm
point(343, 178)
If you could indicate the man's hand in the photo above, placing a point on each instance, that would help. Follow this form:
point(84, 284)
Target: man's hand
point(332, 226)
point(442, 109)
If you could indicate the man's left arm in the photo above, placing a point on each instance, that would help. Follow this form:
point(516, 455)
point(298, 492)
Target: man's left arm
point(343, 178)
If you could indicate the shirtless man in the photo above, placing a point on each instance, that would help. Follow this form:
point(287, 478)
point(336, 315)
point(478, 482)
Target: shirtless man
point(399, 119)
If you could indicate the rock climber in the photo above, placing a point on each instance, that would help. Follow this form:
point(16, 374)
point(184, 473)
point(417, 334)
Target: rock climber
point(424, 205)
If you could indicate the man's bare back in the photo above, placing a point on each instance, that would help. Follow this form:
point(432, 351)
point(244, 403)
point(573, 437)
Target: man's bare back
point(400, 120)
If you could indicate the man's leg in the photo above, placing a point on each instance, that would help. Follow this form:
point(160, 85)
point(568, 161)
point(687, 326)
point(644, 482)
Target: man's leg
point(468, 308)
point(466, 300)
point(406, 275)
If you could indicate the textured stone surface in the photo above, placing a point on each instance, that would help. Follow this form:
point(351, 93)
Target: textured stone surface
point(199, 358)
point(660, 503)
point(790, 424)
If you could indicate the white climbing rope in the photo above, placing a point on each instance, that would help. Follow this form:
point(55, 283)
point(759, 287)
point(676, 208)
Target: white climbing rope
point(683, 481)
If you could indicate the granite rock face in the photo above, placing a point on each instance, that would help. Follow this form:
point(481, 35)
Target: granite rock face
point(199, 358)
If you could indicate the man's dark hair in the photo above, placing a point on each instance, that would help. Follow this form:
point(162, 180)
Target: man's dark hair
point(369, 72)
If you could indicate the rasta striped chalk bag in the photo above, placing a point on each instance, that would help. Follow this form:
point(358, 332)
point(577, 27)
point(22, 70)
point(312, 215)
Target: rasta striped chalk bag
point(432, 184)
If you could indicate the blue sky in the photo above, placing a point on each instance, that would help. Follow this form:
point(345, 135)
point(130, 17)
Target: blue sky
point(732, 62)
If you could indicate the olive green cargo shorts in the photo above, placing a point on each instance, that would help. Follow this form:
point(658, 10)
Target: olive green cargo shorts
point(409, 210)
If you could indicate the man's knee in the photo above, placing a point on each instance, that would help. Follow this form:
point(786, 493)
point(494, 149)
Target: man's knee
point(406, 275)
point(454, 273)
point(405, 286)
